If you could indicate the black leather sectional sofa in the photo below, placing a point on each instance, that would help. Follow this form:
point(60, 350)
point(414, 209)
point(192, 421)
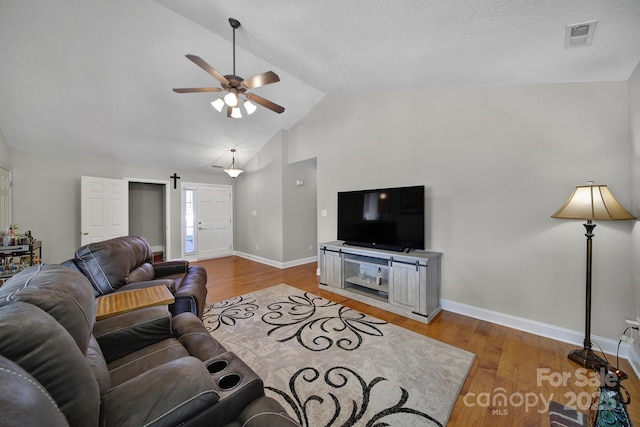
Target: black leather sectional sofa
point(61, 367)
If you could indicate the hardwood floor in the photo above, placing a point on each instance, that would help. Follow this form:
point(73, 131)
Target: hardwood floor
point(526, 369)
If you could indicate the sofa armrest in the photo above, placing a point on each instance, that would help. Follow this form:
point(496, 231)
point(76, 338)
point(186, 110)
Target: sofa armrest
point(193, 335)
point(169, 283)
point(129, 332)
point(194, 284)
point(167, 395)
point(168, 268)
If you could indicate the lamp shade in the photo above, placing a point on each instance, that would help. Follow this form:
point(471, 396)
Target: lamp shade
point(231, 99)
point(218, 104)
point(250, 107)
point(592, 202)
point(233, 173)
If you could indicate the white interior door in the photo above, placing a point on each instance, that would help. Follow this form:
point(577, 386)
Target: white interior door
point(214, 221)
point(104, 209)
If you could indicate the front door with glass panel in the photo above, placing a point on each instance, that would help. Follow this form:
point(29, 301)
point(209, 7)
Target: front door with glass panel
point(208, 225)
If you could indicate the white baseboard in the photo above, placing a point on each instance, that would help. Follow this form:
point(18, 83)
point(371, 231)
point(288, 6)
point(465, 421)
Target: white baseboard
point(607, 345)
point(634, 359)
point(273, 263)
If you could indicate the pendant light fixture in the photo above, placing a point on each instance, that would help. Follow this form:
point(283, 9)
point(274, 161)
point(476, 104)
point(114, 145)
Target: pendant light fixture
point(232, 171)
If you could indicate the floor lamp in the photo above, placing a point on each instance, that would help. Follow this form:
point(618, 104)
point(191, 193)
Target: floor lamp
point(590, 202)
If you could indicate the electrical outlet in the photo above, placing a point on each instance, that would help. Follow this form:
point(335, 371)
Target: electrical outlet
point(633, 323)
point(627, 339)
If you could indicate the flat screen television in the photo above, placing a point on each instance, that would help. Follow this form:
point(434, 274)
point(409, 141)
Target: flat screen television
point(386, 218)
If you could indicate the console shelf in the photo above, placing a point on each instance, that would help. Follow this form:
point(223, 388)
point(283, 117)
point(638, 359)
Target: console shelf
point(403, 283)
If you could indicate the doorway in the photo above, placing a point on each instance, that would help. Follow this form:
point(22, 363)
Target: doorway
point(207, 221)
point(147, 215)
point(105, 211)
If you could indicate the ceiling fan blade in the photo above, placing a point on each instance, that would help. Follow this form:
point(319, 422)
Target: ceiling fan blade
point(197, 89)
point(265, 103)
point(208, 68)
point(261, 80)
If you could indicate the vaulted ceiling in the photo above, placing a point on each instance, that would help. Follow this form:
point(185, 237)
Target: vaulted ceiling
point(94, 77)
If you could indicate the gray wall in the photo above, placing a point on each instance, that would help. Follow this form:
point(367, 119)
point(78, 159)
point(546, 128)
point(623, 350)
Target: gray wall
point(284, 226)
point(299, 214)
point(259, 190)
point(497, 162)
point(5, 152)
point(634, 115)
point(46, 197)
point(147, 212)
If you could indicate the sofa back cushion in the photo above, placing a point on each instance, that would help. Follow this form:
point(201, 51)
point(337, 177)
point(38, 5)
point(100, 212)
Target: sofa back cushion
point(23, 401)
point(63, 293)
point(109, 263)
point(37, 343)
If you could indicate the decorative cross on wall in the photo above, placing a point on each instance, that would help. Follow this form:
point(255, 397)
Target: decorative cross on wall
point(175, 179)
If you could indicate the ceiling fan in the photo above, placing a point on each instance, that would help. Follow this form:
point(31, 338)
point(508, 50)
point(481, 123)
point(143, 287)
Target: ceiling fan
point(235, 86)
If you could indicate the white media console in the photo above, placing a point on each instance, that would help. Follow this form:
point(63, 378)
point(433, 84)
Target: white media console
point(405, 283)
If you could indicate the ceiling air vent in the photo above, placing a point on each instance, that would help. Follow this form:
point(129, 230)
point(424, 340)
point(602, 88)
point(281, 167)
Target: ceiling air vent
point(579, 35)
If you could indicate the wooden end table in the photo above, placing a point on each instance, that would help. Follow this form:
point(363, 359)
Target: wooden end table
point(126, 301)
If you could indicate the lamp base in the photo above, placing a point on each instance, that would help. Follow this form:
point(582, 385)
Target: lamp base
point(586, 358)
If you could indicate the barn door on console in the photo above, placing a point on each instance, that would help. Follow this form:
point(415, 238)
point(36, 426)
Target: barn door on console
point(104, 210)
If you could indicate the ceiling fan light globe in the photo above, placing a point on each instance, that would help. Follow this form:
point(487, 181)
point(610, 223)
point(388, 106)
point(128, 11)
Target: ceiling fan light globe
point(236, 113)
point(218, 104)
point(250, 107)
point(231, 99)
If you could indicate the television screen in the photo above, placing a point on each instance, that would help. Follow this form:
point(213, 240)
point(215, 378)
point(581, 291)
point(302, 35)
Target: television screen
point(388, 218)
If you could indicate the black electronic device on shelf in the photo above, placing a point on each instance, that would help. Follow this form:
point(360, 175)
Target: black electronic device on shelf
point(386, 218)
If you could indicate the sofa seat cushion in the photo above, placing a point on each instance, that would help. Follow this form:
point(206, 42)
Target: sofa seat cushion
point(129, 332)
point(181, 390)
point(138, 362)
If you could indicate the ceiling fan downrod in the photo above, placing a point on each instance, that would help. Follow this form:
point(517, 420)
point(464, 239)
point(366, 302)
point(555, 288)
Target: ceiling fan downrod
point(234, 24)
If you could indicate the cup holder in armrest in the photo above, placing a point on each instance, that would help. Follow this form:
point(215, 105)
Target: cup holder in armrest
point(217, 366)
point(227, 382)
point(236, 383)
point(230, 374)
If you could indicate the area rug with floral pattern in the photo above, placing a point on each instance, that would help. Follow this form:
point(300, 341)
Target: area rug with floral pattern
point(329, 365)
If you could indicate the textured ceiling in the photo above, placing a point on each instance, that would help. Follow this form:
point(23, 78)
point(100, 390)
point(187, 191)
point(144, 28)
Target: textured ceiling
point(94, 77)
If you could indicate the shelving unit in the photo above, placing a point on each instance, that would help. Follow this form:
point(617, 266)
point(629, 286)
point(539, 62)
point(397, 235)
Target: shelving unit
point(361, 274)
point(9, 253)
point(409, 282)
